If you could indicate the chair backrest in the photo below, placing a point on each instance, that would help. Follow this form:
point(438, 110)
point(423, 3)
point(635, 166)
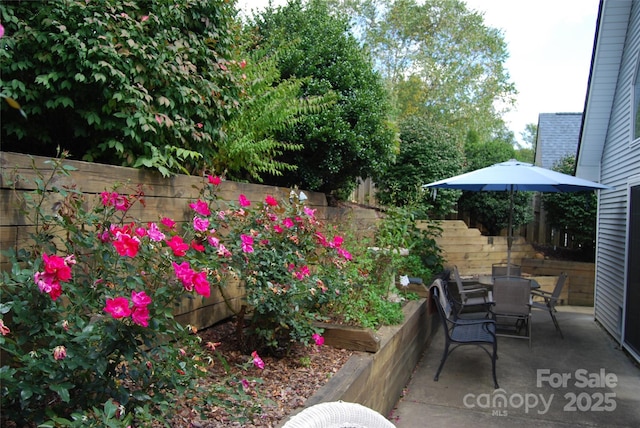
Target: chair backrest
point(511, 295)
point(501, 269)
point(456, 277)
point(439, 294)
point(558, 288)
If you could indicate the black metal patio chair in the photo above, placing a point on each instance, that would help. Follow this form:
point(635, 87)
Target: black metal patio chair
point(463, 331)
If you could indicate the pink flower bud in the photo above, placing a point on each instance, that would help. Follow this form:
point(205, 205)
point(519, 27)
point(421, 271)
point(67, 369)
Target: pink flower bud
point(59, 352)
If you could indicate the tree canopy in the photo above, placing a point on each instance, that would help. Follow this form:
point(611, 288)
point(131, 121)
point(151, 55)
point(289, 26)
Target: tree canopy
point(439, 59)
point(349, 139)
point(492, 208)
point(572, 214)
point(138, 83)
point(428, 152)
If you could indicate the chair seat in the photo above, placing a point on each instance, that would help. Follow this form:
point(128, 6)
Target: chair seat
point(512, 306)
point(471, 295)
point(468, 332)
point(539, 305)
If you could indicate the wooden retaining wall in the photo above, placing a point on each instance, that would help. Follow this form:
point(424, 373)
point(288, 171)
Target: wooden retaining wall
point(580, 277)
point(164, 197)
point(474, 254)
point(376, 380)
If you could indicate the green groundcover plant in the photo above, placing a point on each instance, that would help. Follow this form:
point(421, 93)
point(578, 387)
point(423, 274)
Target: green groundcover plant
point(88, 335)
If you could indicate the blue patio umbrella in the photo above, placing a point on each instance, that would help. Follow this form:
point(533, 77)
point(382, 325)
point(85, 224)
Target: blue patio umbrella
point(513, 176)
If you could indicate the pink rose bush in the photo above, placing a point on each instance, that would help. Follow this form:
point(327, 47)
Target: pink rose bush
point(289, 266)
point(86, 318)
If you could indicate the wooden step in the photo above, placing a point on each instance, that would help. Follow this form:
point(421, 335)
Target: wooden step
point(473, 252)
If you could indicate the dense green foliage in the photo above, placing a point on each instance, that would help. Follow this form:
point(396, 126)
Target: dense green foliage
point(492, 208)
point(137, 83)
point(369, 297)
point(267, 105)
point(428, 152)
point(572, 214)
point(351, 138)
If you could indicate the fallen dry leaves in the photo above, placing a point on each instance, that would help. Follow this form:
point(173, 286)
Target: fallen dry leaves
point(285, 383)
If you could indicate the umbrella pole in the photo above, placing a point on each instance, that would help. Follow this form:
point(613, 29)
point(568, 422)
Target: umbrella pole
point(510, 232)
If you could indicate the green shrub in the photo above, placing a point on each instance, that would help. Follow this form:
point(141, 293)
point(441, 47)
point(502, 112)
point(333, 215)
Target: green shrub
point(290, 267)
point(89, 309)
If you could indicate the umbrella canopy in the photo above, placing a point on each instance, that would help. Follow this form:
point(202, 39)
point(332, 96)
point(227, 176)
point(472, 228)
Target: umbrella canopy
point(513, 176)
point(516, 176)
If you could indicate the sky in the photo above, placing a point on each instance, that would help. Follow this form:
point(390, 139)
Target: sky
point(550, 44)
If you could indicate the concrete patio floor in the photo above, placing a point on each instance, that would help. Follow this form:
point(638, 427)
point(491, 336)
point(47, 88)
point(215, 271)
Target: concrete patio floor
point(585, 380)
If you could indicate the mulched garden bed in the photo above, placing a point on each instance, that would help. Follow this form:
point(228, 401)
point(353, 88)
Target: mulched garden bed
point(286, 383)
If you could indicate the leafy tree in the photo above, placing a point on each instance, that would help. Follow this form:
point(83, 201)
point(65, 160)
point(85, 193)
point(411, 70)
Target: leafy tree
point(428, 152)
point(352, 138)
point(438, 59)
point(492, 208)
point(530, 134)
point(140, 83)
point(525, 151)
point(267, 105)
point(573, 214)
point(480, 154)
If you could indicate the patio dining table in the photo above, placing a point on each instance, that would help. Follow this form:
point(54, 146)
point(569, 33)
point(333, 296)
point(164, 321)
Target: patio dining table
point(487, 280)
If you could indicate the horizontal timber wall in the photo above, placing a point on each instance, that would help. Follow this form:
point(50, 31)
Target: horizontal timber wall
point(474, 254)
point(164, 197)
point(580, 282)
point(376, 379)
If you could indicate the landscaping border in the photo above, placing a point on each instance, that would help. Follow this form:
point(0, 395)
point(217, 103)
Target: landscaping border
point(376, 380)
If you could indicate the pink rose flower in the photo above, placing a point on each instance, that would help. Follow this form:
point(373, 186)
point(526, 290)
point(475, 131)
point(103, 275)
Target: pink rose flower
point(168, 223)
point(344, 253)
point(140, 316)
point(197, 246)
point(318, 339)
point(243, 201)
point(247, 243)
point(201, 207)
point(288, 223)
point(140, 299)
point(257, 361)
point(154, 233)
point(200, 224)
point(201, 284)
point(126, 245)
point(185, 274)
point(118, 307)
point(56, 266)
point(177, 244)
point(271, 201)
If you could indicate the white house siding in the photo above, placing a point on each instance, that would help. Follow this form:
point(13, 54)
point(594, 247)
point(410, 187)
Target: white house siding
point(619, 162)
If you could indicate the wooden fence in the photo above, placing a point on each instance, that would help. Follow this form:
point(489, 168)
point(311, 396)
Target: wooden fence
point(164, 197)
